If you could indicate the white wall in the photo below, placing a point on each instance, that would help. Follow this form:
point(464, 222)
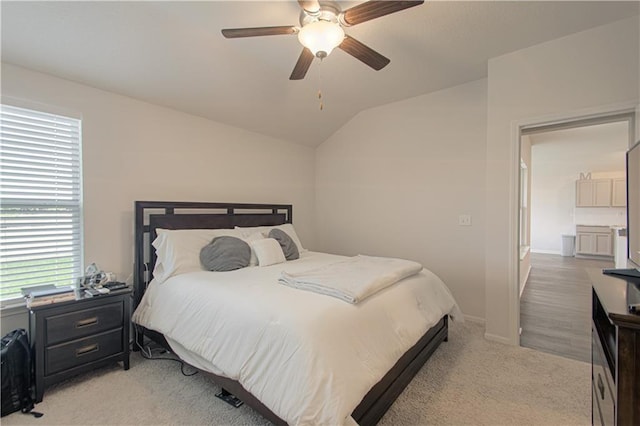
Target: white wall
point(394, 179)
point(133, 150)
point(583, 73)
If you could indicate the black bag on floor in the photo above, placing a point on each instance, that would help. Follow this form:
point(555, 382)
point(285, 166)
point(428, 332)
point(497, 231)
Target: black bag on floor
point(17, 390)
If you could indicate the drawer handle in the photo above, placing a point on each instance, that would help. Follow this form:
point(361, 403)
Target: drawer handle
point(601, 386)
point(87, 350)
point(87, 322)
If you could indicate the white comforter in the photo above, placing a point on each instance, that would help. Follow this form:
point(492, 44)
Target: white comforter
point(353, 279)
point(310, 358)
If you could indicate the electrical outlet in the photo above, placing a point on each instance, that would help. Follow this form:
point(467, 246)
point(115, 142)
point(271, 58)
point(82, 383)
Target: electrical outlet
point(464, 220)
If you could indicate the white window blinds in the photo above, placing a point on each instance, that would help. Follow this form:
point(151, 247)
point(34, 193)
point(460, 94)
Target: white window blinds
point(40, 200)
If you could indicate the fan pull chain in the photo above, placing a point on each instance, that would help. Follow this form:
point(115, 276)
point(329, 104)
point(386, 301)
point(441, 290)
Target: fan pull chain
point(320, 85)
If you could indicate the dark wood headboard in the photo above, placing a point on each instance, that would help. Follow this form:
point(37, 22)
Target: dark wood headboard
point(151, 215)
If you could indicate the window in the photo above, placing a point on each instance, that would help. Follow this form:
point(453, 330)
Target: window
point(40, 200)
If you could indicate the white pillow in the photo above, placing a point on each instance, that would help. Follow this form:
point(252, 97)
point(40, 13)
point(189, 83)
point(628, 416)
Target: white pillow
point(268, 251)
point(178, 251)
point(287, 227)
point(253, 237)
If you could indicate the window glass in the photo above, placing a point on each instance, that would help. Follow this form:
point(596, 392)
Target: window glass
point(40, 200)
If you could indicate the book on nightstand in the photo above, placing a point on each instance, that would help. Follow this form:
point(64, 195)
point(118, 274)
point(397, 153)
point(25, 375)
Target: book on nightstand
point(48, 294)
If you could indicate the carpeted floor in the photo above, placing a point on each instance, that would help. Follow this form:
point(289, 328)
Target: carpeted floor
point(468, 381)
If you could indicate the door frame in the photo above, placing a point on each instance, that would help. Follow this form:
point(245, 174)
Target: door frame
point(613, 113)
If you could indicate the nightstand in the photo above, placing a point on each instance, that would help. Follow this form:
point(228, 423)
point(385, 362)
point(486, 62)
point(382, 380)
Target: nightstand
point(77, 336)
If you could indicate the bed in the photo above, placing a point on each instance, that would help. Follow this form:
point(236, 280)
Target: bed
point(270, 376)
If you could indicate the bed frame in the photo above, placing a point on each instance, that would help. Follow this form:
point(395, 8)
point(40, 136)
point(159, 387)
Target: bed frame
point(150, 215)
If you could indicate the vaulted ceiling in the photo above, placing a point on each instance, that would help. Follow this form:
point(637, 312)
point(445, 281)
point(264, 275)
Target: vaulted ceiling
point(172, 53)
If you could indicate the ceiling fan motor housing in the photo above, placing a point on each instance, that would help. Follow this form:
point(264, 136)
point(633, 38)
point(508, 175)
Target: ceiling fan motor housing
point(329, 11)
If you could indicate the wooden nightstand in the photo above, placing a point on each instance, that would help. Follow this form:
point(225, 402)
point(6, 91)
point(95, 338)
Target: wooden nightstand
point(615, 369)
point(74, 337)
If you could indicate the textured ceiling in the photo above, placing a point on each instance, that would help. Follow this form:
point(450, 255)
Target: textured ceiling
point(172, 54)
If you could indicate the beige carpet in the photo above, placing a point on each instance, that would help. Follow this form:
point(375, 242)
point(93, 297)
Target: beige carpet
point(467, 381)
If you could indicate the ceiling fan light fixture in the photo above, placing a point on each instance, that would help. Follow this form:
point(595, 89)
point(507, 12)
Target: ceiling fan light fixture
point(321, 37)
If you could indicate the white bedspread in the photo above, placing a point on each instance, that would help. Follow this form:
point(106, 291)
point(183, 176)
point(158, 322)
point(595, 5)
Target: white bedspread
point(354, 279)
point(308, 357)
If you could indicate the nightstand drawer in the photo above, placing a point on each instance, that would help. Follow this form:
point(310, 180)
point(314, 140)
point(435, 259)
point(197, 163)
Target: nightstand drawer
point(82, 351)
point(82, 323)
point(602, 381)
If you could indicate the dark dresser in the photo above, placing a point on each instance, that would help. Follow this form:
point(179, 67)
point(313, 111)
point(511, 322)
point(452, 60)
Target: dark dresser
point(74, 337)
point(615, 351)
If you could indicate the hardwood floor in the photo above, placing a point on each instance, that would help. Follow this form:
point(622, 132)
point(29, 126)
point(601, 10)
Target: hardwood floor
point(555, 307)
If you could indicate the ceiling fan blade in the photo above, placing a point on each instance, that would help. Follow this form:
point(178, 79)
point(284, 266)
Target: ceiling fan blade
point(259, 31)
point(374, 9)
point(303, 64)
point(312, 7)
point(364, 53)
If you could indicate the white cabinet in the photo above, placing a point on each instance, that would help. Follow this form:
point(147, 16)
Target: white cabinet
point(619, 192)
point(596, 240)
point(593, 193)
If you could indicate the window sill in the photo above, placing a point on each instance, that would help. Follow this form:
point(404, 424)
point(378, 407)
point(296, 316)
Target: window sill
point(13, 307)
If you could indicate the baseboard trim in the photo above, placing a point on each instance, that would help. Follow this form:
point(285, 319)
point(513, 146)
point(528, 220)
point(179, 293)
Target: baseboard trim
point(593, 257)
point(477, 320)
point(546, 251)
point(496, 338)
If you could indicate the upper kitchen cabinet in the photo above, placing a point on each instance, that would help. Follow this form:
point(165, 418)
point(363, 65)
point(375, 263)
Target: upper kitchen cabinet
point(593, 193)
point(619, 193)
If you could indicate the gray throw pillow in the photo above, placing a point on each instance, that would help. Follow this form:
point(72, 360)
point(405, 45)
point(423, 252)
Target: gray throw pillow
point(289, 248)
point(225, 254)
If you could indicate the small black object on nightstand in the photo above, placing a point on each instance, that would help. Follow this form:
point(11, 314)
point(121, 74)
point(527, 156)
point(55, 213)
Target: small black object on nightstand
point(91, 292)
point(114, 285)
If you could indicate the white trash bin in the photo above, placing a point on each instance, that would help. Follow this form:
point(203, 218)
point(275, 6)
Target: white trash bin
point(568, 245)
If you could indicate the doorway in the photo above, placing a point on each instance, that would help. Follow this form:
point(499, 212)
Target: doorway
point(554, 290)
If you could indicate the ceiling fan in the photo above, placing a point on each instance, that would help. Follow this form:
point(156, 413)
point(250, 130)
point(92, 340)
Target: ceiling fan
point(321, 30)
